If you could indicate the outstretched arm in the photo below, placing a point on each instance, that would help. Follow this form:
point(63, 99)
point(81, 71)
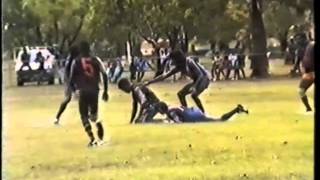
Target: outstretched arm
point(163, 76)
point(150, 66)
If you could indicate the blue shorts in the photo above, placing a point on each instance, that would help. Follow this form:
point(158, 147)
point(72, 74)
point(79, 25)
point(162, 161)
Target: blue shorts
point(193, 115)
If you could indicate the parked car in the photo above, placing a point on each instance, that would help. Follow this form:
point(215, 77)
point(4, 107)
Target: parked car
point(33, 72)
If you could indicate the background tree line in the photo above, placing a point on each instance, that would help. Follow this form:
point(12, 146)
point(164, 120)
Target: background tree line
point(111, 24)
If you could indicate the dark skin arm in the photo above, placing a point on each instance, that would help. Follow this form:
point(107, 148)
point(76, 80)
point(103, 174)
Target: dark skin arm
point(150, 66)
point(139, 114)
point(163, 76)
point(134, 109)
point(105, 95)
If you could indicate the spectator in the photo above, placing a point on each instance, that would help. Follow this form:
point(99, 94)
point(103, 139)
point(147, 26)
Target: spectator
point(214, 67)
point(112, 64)
point(221, 65)
point(168, 66)
point(301, 42)
point(25, 58)
point(118, 70)
point(236, 69)
point(161, 61)
point(232, 58)
point(133, 69)
point(143, 66)
point(290, 52)
point(40, 59)
point(242, 63)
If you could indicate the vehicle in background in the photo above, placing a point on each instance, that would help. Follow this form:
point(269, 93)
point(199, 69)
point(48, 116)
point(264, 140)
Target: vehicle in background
point(33, 72)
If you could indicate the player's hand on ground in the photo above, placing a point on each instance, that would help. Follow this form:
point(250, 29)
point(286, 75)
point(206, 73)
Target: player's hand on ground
point(105, 96)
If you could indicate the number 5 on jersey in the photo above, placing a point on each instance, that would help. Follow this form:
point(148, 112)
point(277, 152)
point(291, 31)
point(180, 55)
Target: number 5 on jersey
point(87, 67)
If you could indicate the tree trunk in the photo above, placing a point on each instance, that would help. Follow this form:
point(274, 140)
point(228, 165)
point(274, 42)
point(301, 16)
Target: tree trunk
point(186, 42)
point(259, 59)
point(76, 33)
point(129, 48)
point(56, 31)
point(39, 35)
point(173, 37)
point(118, 49)
point(61, 49)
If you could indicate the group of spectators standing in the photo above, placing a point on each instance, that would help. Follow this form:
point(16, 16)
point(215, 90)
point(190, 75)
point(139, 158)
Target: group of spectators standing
point(138, 67)
point(227, 62)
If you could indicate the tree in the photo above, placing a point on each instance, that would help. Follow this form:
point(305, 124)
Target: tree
point(280, 15)
point(19, 25)
point(45, 22)
point(259, 60)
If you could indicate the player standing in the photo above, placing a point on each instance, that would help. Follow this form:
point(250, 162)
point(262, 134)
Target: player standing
point(85, 75)
point(74, 52)
point(190, 68)
point(308, 75)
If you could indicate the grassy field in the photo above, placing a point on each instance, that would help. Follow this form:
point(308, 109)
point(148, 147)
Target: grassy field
point(275, 141)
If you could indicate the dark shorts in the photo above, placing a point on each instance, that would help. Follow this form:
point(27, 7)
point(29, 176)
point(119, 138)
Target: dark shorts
point(147, 114)
point(88, 105)
point(203, 85)
point(307, 80)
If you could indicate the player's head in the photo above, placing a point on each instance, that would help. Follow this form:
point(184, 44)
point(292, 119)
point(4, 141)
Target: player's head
point(84, 48)
point(24, 49)
point(162, 107)
point(125, 85)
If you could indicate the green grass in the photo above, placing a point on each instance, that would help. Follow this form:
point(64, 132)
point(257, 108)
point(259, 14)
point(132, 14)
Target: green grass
point(275, 141)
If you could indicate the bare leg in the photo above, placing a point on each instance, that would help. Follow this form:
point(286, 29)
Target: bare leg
point(198, 102)
point(305, 83)
point(183, 93)
point(63, 106)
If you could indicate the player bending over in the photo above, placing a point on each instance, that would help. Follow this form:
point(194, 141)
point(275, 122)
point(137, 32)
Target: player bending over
point(143, 97)
point(74, 52)
point(85, 74)
point(190, 68)
point(308, 75)
point(193, 115)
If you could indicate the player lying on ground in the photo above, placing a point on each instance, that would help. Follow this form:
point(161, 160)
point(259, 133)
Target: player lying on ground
point(308, 75)
point(143, 97)
point(74, 52)
point(85, 75)
point(193, 115)
point(188, 67)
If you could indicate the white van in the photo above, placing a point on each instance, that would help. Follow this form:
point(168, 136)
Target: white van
point(34, 74)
